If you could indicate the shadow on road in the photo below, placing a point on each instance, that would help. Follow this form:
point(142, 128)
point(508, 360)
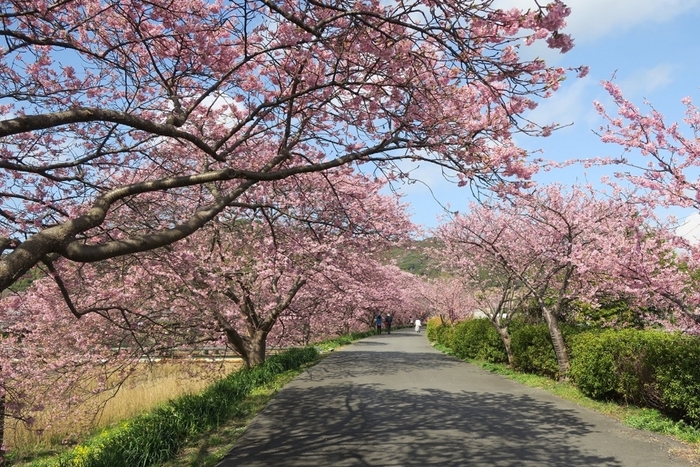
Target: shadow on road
point(345, 412)
point(353, 364)
point(366, 425)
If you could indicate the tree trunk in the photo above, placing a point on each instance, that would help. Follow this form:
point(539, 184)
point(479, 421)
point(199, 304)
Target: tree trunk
point(2, 429)
point(505, 338)
point(257, 346)
point(557, 342)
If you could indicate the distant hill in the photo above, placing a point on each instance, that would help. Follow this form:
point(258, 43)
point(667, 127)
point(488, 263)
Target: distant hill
point(415, 257)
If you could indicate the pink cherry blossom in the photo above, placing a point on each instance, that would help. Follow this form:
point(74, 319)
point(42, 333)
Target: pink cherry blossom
point(107, 108)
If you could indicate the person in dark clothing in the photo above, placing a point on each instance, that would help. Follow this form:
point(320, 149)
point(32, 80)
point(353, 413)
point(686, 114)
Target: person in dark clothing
point(387, 322)
point(378, 318)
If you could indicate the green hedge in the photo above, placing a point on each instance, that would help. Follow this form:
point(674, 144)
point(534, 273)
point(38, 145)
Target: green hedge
point(474, 339)
point(532, 347)
point(533, 351)
point(646, 368)
point(678, 376)
point(437, 332)
point(152, 438)
point(477, 339)
point(612, 365)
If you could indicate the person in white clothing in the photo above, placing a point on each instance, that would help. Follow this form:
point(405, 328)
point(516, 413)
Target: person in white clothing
point(417, 325)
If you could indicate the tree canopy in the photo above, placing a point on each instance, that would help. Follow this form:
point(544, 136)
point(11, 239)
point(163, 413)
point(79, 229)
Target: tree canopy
point(110, 106)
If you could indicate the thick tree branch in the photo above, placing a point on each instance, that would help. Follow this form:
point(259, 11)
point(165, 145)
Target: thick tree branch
point(27, 123)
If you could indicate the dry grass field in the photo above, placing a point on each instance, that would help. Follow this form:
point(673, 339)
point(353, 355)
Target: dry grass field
point(152, 384)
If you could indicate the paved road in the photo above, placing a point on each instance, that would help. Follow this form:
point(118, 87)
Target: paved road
point(393, 400)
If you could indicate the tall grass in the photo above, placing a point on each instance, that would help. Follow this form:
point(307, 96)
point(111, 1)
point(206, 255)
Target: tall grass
point(151, 438)
point(154, 437)
point(149, 386)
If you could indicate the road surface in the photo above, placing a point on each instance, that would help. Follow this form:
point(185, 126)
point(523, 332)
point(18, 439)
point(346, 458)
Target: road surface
point(393, 400)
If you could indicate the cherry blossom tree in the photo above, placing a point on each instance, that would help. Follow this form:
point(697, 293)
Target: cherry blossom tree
point(353, 294)
point(485, 286)
point(293, 254)
point(569, 245)
point(109, 106)
point(446, 297)
point(668, 167)
point(54, 364)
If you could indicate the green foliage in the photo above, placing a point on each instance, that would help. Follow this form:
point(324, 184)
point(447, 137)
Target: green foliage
point(437, 332)
point(533, 351)
point(477, 339)
point(646, 368)
point(609, 310)
point(532, 347)
point(152, 438)
point(678, 375)
point(593, 365)
point(433, 329)
point(416, 257)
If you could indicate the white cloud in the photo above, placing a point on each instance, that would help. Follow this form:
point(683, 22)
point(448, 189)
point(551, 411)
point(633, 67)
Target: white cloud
point(690, 229)
point(649, 80)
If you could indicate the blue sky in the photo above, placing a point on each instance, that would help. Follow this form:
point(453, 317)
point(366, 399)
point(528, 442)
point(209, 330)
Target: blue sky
point(652, 47)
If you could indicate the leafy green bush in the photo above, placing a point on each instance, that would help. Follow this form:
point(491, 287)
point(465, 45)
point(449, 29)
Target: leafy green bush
point(646, 368)
point(677, 375)
point(616, 364)
point(477, 339)
point(532, 347)
point(440, 333)
point(593, 365)
point(533, 351)
point(432, 329)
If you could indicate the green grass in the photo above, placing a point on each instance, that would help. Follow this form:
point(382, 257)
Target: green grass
point(210, 447)
point(332, 344)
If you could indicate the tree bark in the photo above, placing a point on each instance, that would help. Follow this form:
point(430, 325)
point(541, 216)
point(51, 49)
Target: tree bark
point(2, 429)
point(557, 342)
point(505, 338)
point(257, 349)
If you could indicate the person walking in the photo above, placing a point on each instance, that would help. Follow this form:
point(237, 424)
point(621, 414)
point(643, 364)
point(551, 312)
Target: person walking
point(387, 322)
point(378, 318)
point(418, 326)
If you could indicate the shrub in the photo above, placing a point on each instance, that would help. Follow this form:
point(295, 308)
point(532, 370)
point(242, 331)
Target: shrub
point(646, 368)
point(477, 339)
point(615, 364)
point(533, 351)
point(440, 333)
point(677, 375)
point(432, 329)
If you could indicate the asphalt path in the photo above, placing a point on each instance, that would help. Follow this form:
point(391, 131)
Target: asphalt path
point(393, 400)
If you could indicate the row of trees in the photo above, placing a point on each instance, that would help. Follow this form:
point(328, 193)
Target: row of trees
point(177, 175)
point(301, 265)
point(182, 173)
point(566, 252)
